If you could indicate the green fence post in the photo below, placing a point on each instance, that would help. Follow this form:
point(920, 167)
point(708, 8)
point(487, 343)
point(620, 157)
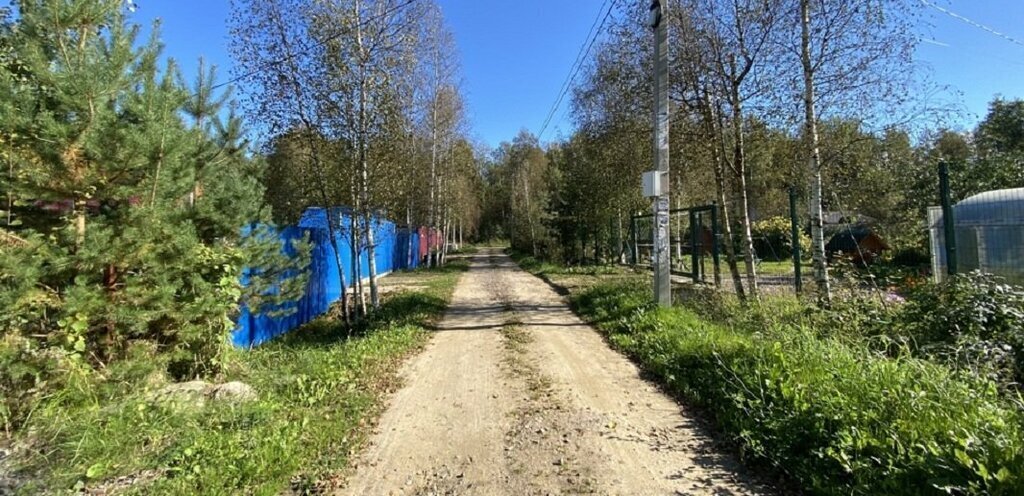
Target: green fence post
point(714, 243)
point(948, 221)
point(795, 225)
point(694, 254)
point(632, 237)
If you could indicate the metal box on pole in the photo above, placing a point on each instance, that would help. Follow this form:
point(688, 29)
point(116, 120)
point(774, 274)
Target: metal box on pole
point(655, 183)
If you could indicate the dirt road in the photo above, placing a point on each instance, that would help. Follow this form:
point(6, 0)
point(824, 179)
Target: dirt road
point(515, 395)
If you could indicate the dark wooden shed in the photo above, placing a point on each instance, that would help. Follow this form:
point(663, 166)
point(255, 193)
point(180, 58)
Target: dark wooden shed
point(859, 243)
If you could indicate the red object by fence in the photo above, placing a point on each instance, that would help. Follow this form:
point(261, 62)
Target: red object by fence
point(430, 241)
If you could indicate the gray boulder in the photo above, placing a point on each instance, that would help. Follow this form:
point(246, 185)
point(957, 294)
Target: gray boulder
point(233, 392)
point(195, 394)
point(182, 394)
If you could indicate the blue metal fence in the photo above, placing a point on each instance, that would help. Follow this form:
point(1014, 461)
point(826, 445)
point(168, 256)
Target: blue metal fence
point(396, 249)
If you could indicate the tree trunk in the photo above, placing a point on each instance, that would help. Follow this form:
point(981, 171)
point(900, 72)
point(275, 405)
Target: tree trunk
point(357, 267)
point(408, 228)
point(529, 213)
point(355, 242)
point(583, 246)
point(740, 164)
point(432, 210)
point(159, 165)
point(80, 213)
point(371, 254)
point(821, 278)
point(620, 252)
point(364, 174)
point(443, 238)
point(10, 194)
point(447, 236)
point(714, 130)
point(439, 220)
point(332, 229)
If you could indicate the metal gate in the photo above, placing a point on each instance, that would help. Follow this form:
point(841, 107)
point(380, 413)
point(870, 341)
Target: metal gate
point(693, 243)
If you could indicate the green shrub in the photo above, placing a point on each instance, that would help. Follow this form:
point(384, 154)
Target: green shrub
point(26, 373)
point(774, 239)
point(832, 414)
point(317, 387)
point(974, 321)
point(856, 315)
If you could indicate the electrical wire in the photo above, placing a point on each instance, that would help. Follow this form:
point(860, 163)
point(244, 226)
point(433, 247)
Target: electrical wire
point(581, 57)
point(976, 24)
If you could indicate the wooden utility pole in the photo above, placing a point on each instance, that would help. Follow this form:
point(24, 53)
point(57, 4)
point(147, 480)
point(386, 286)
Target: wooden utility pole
point(662, 253)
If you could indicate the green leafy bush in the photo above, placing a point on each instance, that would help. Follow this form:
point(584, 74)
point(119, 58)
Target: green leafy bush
point(832, 413)
point(974, 321)
point(857, 315)
point(774, 239)
point(317, 387)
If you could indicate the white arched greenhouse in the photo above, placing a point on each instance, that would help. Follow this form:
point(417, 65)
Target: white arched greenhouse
point(989, 235)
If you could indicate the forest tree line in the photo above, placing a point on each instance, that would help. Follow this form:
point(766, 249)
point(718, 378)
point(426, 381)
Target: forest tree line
point(359, 103)
point(817, 95)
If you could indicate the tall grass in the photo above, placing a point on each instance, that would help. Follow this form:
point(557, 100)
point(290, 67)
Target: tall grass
point(318, 386)
point(834, 415)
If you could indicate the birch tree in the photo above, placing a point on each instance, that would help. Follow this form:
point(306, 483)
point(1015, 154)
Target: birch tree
point(740, 64)
point(443, 108)
point(285, 95)
point(856, 59)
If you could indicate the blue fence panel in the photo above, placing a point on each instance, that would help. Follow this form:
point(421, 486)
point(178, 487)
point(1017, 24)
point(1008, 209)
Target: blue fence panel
point(324, 286)
point(385, 236)
point(252, 329)
point(402, 258)
point(415, 257)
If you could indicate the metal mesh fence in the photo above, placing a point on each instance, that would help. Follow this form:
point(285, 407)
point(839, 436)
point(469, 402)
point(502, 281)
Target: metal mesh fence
point(984, 232)
point(694, 243)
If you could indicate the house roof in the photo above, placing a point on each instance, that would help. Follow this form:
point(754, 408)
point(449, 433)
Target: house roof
point(850, 238)
point(840, 218)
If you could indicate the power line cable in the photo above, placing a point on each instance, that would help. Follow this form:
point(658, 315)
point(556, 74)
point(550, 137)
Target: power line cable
point(976, 24)
point(579, 54)
point(588, 43)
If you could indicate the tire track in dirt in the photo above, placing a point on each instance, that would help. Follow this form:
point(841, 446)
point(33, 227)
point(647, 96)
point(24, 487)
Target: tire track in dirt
point(515, 395)
point(640, 441)
point(444, 430)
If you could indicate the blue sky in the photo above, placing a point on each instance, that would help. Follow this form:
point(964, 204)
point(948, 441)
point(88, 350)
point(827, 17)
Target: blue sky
point(975, 62)
point(516, 53)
